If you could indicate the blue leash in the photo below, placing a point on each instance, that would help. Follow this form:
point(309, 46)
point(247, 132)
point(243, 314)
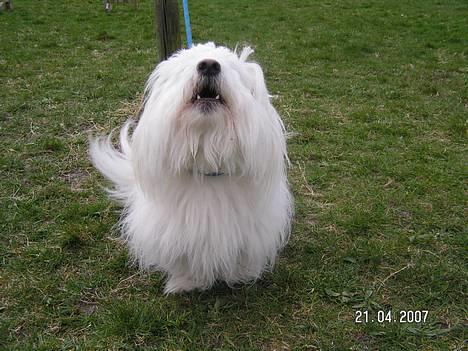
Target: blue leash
point(188, 29)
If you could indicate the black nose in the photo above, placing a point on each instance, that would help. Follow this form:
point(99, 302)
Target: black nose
point(209, 67)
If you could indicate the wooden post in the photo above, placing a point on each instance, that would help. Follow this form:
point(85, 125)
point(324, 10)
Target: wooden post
point(6, 4)
point(107, 5)
point(167, 28)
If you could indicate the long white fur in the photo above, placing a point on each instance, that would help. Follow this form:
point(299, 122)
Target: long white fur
point(195, 228)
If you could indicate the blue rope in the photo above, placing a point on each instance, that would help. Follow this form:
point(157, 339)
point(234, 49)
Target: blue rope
point(188, 29)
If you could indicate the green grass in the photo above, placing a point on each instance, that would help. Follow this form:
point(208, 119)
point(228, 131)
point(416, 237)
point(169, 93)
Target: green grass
point(376, 94)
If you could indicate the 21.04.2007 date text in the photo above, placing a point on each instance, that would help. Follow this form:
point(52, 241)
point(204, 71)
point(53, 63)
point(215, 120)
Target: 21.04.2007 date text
point(403, 316)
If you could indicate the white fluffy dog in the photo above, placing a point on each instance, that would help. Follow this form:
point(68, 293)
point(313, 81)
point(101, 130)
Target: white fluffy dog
point(203, 175)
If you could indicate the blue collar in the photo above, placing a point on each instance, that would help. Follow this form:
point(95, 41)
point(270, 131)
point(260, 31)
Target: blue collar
point(211, 174)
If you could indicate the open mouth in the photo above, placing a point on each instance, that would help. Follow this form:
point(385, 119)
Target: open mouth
point(207, 93)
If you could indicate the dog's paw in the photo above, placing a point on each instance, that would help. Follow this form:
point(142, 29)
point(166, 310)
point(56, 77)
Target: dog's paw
point(179, 284)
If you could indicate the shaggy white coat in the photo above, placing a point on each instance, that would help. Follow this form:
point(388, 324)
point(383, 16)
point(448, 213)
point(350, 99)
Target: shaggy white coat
point(204, 191)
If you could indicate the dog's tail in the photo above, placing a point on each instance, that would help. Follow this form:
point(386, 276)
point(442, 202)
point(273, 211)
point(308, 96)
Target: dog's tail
point(115, 165)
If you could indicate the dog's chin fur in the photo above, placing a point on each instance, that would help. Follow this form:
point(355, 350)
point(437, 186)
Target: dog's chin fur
point(203, 183)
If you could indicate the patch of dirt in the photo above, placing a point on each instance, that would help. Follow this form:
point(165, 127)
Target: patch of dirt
point(75, 178)
point(86, 307)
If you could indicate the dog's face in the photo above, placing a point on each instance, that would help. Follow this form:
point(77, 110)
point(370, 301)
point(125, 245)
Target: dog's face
point(207, 79)
point(207, 110)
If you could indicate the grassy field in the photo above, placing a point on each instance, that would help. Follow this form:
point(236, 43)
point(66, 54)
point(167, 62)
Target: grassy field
point(376, 95)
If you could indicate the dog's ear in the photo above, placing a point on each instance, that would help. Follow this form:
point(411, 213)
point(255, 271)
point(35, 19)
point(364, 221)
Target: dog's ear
point(258, 87)
point(245, 53)
point(255, 73)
